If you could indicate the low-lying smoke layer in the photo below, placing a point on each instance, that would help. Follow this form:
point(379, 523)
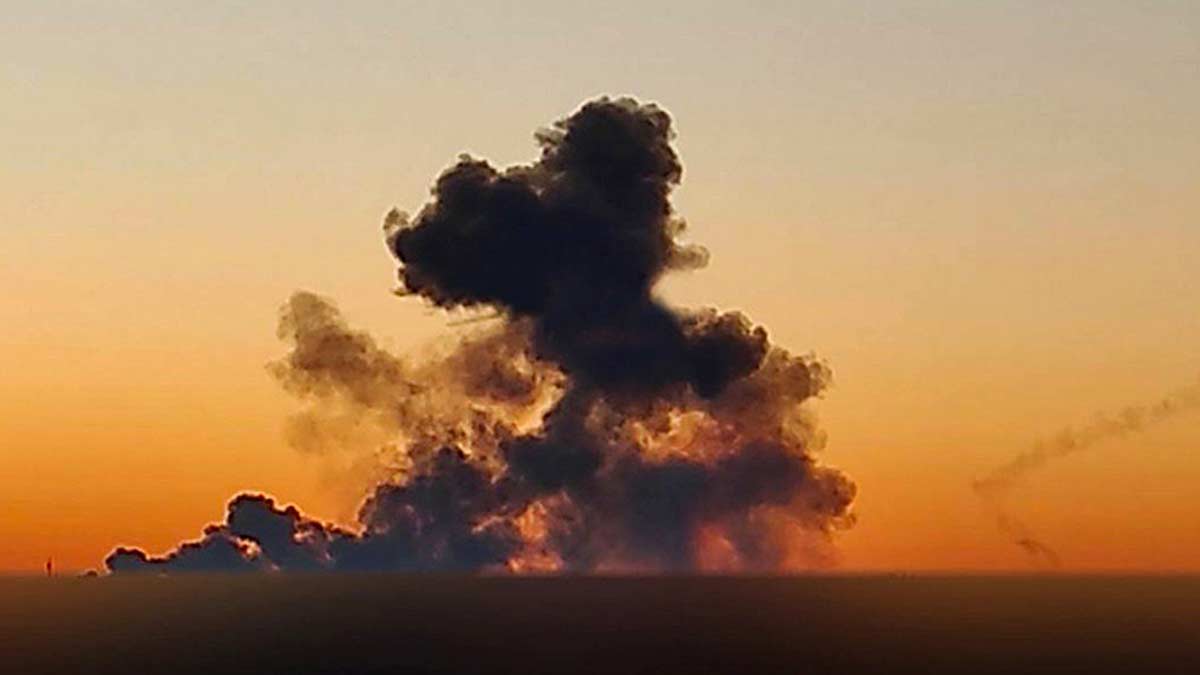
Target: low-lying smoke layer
point(592, 428)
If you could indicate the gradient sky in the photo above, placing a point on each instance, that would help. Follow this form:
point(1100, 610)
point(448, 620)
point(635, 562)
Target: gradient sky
point(984, 215)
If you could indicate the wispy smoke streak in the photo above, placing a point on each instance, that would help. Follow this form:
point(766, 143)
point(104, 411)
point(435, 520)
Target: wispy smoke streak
point(996, 487)
point(589, 427)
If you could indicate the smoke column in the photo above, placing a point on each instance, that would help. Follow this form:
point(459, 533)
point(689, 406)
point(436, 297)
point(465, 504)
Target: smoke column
point(590, 427)
point(996, 487)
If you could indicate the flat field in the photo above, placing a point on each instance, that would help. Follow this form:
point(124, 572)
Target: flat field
point(397, 623)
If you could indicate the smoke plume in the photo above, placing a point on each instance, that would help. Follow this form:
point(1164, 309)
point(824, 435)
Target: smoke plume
point(996, 487)
point(592, 427)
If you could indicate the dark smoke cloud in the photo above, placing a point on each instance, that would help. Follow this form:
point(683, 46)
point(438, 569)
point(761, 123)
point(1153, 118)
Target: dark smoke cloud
point(593, 427)
point(577, 241)
point(256, 535)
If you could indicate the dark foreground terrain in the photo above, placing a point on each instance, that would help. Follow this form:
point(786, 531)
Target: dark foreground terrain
point(385, 624)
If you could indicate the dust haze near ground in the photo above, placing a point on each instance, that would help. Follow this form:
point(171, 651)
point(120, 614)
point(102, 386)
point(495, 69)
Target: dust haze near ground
point(395, 623)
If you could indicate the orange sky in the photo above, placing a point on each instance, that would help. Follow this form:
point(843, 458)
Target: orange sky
point(984, 218)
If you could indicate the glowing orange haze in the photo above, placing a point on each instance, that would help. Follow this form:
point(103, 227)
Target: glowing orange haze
point(989, 236)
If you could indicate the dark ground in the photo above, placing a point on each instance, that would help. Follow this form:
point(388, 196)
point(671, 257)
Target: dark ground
point(395, 623)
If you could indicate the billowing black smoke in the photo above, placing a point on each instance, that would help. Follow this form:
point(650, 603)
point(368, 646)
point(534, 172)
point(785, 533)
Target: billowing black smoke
point(593, 428)
point(577, 241)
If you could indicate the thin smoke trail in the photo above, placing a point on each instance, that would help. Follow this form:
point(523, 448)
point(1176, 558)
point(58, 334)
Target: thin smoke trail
point(996, 487)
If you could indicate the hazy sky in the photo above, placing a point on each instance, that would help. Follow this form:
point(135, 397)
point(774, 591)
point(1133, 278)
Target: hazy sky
point(984, 215)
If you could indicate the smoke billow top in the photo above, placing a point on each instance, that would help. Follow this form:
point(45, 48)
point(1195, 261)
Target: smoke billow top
point(591, 428)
